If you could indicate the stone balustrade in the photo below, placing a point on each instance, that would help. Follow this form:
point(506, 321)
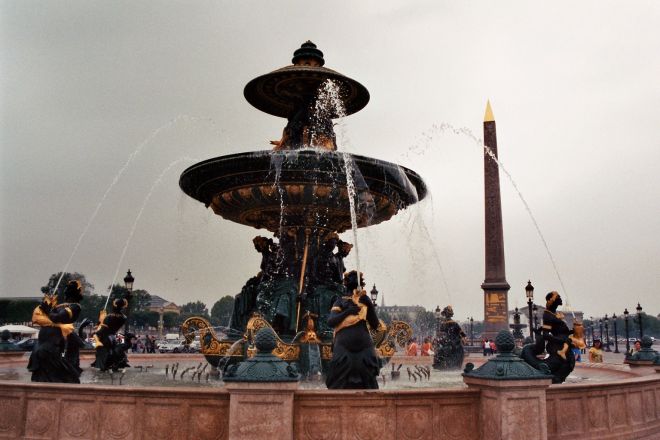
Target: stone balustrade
point(62, 411)
point(386, 415)
point(621, 409)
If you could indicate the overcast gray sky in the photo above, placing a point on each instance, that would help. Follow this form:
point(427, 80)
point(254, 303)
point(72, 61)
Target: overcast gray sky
point(574, 86)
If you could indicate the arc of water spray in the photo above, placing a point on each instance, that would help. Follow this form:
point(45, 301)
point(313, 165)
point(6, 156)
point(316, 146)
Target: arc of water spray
point(114, 182)
point(137, 219)
point(467, 132)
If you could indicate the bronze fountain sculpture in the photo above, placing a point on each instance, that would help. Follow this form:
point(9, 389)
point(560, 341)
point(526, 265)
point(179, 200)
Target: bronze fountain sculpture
point(305, 193)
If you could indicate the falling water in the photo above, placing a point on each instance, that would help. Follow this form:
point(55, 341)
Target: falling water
point(423, 146)
point(132, 156)
point(329, 102)
point(139, 215)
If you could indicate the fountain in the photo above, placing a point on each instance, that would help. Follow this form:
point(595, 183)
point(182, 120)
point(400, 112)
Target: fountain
point(304, 192)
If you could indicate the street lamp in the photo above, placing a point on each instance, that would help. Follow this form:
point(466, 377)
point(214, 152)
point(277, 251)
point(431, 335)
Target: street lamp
point(600, 335)
point(616, 341)
point(639, 317)
point(625, 326)
point(438, 318)
point(128, 283)
point(607, 334)
point(374, 295)
point(529, 292)
point(161, 311)
point(471, 331)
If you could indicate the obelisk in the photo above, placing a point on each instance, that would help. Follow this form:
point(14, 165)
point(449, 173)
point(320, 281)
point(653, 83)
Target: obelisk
point(494, 286)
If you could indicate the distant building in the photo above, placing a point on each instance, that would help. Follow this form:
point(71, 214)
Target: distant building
point(157, 303)
point(401, 313)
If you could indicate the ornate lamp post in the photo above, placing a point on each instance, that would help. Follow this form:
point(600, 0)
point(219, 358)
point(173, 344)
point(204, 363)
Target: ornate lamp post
point(616, 338)
point(161, 311)
point(128, 283)
point(529, 292)
point(600, 335)
point(374, 295)
point(639, 317)
point(471, 331)
point(438, 318)
point(607, 334)
point(625, 326)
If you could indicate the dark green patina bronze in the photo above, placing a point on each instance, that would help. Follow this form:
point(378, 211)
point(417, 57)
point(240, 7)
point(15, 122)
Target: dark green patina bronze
point(506, 365)
point(646, 355)
point(264, 366)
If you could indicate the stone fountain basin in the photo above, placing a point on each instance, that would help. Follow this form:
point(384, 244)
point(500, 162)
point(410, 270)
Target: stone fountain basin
point(301, 188)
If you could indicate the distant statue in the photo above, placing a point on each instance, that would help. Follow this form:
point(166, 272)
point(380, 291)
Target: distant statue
point(56, 321)
point(6, 344)
point(110, 354)
point(268, 250)
point(245, 302)
point(354, 364)
point(557, 339)
point(449, 353)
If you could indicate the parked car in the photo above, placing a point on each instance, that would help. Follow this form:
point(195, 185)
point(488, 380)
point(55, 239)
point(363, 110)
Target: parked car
point(171, 347)
point(27, 344)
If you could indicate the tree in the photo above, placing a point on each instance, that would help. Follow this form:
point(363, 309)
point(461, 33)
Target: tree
point(222, 310)
point(145, 319)
point(170, 319)
point(140, 300)
point(424, 324)
point(91, 306)
point(88, 287)
point(195, 308)
point(17, 311)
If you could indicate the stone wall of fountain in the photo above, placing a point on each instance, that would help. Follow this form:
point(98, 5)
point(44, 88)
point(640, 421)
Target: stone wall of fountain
point(621, 409)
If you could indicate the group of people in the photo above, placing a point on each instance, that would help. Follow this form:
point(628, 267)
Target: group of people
point(489, 347)
point(425, 350)
point(596, 351)
point(144, 344)
point(56, 356)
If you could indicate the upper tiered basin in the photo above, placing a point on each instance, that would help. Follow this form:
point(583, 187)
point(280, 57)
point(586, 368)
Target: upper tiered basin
point(301, 188)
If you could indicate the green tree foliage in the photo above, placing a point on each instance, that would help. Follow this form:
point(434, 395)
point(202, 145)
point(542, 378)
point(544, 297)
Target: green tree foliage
point(170, 319)
point(17, 311)
point(140, 300)
point(196, 308)
point(145, 318)
point(91, 306)
point(424, 324)
point(222, 309)
point(88, 287)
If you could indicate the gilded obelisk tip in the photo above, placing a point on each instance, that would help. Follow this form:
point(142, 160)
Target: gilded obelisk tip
point(488, 117)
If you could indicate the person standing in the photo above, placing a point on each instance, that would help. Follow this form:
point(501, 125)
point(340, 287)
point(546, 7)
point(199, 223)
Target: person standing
point(412, 348)
point(426, 347)
point(596, 352)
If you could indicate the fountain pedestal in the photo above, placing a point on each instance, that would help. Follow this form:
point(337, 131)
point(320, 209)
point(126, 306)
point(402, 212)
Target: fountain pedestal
point(261, 410)
point(513, 398)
